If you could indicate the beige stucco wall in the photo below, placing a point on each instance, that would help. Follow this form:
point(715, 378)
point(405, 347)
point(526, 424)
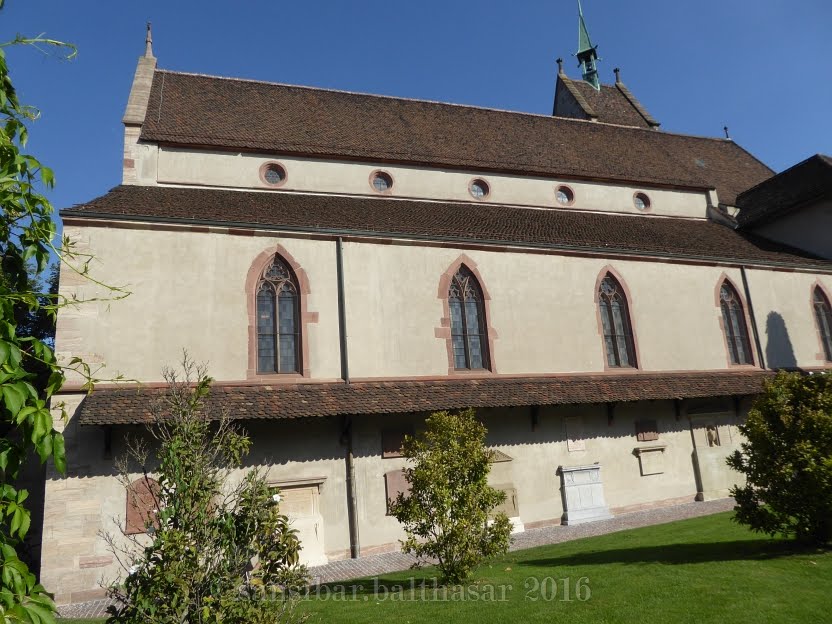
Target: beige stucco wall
point(808, 228)
point(786, 317)
point(164, 165)
point(188, 291)
point(542, 308)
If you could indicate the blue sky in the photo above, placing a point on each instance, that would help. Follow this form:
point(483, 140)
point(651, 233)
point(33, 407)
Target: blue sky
point(761, 67)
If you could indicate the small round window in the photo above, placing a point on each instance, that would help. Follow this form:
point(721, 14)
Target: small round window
point(479, 188)
point(273, 174)
point(641, 201)
point(565, 195)
point(381, 181)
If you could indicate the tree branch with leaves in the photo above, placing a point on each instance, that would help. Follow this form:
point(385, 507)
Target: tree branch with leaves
point(30, 374)
point(217, 548)
point(449, 513)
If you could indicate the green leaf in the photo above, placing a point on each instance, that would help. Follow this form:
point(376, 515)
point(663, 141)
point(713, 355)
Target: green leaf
point(14, 398)
point(43, 614)
point(47, 176)
point(58, 452)
point(24, 413)
point(25, 522)
point(44, 447)
point(43, 425)
point(14, 512)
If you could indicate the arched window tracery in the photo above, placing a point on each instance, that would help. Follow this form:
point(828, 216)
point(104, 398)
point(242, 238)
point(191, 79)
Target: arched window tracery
point(823, 316)
point(733, 319)
point(615, 321)
point(469, 333)
point(278, 320)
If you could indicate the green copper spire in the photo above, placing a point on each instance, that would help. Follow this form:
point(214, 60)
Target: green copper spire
point(587, 53)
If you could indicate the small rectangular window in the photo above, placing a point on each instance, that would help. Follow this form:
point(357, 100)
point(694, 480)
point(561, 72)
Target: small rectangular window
point(392, 440)
point(647, 431)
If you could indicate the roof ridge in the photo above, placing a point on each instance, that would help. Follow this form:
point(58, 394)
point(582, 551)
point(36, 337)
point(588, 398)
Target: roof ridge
point(636, 104)
point(438, 102)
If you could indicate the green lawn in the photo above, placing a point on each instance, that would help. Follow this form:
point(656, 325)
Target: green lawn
point(702, 570)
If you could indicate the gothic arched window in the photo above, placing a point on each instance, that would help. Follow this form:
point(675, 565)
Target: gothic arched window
point(278, 320)
point(468, 328)
point(615, 321)
point(823, 314)
point(733, 319)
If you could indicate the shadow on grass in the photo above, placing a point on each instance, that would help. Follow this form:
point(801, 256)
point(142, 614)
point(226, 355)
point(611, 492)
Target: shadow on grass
point(675, 554)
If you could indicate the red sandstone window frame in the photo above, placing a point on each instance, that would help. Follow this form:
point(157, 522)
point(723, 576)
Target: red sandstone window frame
point(631, 339)
point(724, 280)
point(275, 290)
point(268, 165)
point(381, 173)
point(305, 317)
point(824, 337)
point(443, 332)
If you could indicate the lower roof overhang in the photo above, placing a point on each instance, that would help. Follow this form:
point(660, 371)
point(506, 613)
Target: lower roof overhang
point(135, 405)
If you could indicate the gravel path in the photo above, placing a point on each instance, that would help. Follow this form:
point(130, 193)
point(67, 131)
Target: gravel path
point(394, 562)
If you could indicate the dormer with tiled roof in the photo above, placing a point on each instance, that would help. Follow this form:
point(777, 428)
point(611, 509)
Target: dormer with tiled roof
point(613, 104)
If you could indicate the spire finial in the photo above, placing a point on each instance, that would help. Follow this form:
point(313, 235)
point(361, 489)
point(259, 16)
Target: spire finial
point(727, 136)
point(560, 65)
point(148, 43)
point(617, 72)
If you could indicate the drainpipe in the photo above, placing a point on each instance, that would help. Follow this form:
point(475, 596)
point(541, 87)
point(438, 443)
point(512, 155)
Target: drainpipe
point(346, 432)
point(352, 503)
point(342, 315)
point(760, 357)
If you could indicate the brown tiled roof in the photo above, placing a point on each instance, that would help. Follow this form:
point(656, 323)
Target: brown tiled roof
point(186, 109)
point(132, 406)
point(613, 104)
point(800, 185)
point(463, 222)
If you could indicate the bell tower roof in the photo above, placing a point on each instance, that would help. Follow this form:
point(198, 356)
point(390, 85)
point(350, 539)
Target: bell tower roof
point(584, 42)
point(587, 53)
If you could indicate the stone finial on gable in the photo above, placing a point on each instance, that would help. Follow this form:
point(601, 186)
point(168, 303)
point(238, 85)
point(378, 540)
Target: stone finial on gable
point(148, 43)
point(136, 110)
point(142, 81)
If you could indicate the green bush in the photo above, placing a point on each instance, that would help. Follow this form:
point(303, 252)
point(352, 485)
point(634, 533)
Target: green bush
point(218, 549)
point(448, 513)
point(787, 459)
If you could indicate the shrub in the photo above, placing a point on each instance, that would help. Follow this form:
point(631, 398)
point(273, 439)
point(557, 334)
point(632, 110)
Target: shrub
point(447, 513)
point(215, 551)
point(787, 459)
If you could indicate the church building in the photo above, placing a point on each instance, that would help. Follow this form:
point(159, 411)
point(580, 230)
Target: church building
point(609, 296)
